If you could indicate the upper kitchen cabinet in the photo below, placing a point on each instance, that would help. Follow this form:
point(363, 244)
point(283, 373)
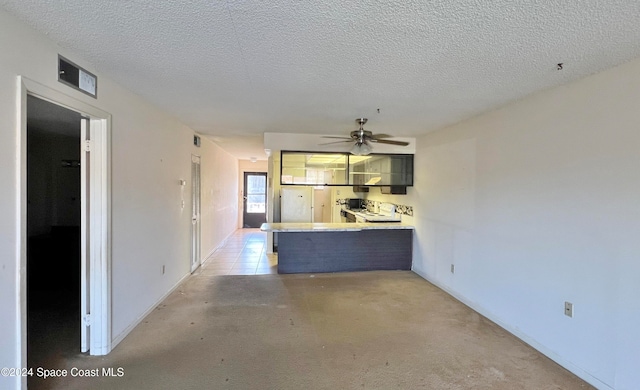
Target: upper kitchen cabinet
point(305, 168)
point(381, 170)
point(375, 170)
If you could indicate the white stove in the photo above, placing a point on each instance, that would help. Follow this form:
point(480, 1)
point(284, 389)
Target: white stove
point(387, 213)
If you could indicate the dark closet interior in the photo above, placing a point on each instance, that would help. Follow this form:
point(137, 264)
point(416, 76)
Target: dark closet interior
point(53, 234)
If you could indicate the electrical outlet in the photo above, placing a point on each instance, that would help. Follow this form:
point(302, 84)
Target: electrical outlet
point(453, 268)
point(568, 309)
point(163, 269)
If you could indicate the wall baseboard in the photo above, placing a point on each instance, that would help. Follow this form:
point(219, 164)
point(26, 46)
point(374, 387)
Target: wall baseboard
point(579, 372)
point(116, 340)
point(212, 251)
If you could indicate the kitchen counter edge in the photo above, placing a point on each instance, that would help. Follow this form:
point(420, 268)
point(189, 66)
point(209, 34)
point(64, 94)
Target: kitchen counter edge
point(332, 227)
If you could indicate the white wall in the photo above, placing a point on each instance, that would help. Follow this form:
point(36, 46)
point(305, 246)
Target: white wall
point(151, 152)
point(219, 196)
point(275, 183)
point(9, 332)
point(536, 204)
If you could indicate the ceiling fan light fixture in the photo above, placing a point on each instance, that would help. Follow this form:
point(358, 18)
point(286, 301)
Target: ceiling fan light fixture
point(361, 149)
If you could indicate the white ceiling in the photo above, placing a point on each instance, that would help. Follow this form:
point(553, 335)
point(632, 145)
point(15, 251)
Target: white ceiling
point(241, 68)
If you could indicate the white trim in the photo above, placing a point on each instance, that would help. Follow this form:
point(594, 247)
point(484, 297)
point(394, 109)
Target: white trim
point(100, 296)
point(116, 340)
point(84, 218)
point(51, 95)
point(196, 212)
point(100, 335)
point(579, 372)
point(21, 222)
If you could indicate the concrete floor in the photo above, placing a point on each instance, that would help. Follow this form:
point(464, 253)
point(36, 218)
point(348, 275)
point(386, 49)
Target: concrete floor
point(369, 330)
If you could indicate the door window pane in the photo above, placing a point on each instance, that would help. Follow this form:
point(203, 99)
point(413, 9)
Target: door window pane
point(256, 194)
point(256, 184)
point(255, 204)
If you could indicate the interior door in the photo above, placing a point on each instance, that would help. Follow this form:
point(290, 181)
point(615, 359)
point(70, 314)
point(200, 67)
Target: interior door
point(254, 209)
point(322, 204)
point(195, 212)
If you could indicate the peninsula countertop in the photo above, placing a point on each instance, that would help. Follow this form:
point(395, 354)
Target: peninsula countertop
point(332, 227)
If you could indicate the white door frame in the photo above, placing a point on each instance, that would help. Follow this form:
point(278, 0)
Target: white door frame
point(100, 214)
point(196, 210)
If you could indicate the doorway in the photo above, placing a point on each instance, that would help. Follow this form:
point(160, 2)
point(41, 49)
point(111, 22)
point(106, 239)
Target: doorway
point(50, 228)
point(254, 205)
point(322, 204)
point(53, 233)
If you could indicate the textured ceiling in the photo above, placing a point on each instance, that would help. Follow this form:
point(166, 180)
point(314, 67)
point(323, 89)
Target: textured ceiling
point(237, 68)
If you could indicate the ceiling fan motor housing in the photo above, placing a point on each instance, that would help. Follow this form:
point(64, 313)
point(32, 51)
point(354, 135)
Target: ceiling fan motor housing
point(360, 135)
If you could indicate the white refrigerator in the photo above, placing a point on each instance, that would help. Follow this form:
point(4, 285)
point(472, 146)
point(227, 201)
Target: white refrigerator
point(296, 204)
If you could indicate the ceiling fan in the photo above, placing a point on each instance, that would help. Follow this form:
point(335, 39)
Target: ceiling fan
point(363, 138)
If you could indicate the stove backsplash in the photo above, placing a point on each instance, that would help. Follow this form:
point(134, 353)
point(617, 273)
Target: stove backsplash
point(372, 205)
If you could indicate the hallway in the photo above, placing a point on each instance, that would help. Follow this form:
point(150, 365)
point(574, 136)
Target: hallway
point(244, 253)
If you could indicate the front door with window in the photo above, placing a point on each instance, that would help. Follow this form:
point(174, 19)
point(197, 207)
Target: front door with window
point(255, 199)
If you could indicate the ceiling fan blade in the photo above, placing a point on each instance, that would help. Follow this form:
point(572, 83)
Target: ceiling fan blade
point(335, 142)
point(362, 137)
point(378, 136)
point(390, 142)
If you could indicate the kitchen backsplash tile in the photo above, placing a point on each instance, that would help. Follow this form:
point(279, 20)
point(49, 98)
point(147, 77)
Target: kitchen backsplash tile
point(374, 204)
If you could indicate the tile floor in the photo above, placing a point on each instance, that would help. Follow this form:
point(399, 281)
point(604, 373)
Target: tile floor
point(244, 253)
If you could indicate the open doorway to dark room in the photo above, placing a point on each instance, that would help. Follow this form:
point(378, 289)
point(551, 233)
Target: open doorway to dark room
point(53, 233)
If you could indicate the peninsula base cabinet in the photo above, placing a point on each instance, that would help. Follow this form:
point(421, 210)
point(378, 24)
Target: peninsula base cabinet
point(344, 251)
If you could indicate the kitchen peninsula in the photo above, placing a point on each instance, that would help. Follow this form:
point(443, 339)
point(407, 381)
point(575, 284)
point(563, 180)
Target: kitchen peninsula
point(342, 247)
